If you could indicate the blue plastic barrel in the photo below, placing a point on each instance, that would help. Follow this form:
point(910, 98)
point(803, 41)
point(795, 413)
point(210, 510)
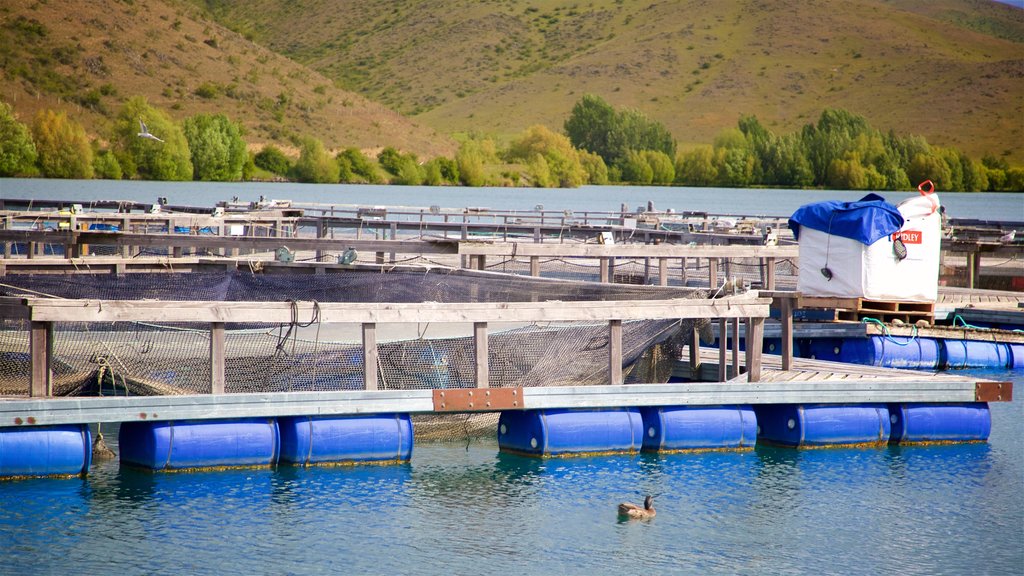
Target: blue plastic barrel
point(809, 425)
point(976, 354)
point(889, 352)
point(1016, 352)
point(171, 445)
point(925, 423)
point(569, 431)
point(27, 451)
point(681, 428)
point(378, 438)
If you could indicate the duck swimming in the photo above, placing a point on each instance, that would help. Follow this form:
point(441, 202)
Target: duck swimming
point(629, 510)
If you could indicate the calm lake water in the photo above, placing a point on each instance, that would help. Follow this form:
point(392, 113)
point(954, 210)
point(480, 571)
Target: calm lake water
point(753, 202)
point(466, 509)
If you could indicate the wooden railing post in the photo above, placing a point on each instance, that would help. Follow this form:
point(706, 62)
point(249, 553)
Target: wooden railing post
point(603, 265)
point(663, 271)
point(695, 354)
point(615, 351)
point(369, 356)
point(786, 321)
point(770, 274)
point(713, 273)
point(723, 342)
point(480, 345)
point(535, 266)
point(754, 343)
point(735, 370)
point(217, 355)
point(41, 354)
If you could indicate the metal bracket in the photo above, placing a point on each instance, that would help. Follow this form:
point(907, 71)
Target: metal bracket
point(993, 391)
point(478, 399)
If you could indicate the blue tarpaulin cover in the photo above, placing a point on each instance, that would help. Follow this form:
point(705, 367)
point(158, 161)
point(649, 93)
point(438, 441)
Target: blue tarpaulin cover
point(865, 220)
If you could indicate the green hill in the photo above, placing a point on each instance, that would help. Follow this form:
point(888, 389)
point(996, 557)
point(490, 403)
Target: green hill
point(414, 73)
point(88, 57)
point(950, 70)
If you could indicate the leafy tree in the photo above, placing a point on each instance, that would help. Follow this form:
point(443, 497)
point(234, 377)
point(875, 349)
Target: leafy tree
point(17, 151)
point(356, 167)
point(561, 160)
point(105, 166)
point(432, 173)
point(540, 172)
point(449, 169)
point(663, 171)
point(635, 168)
point(929, 166)
point(146, 158)
point(734, 161)
point(218, 151)
point(271, 159)
point(696, 167)
point(595, 126)
point(409, 172)
point(470, 160)
point(597, 170)
point(62, 146)
point(1015, 179)
point(830, 139)
point(315, 165)
point(589, 124)
point(390, 160)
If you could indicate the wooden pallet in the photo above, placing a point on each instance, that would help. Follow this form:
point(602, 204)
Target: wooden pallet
point(857, 309)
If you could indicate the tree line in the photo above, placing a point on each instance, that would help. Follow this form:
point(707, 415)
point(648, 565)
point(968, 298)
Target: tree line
point(600, 144)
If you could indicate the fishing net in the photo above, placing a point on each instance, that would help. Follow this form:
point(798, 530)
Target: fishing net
point(136, 358)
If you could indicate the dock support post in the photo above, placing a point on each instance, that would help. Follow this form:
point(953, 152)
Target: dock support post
point(723, 341)
point(8, 246)
point(786, 320)
point(663, 271)
point(394, 236)
point(683, 273)
point(41, 353)
point(770, 274)
point(126, 251)
point(321, 232)
point(217, 342)
point(735, 370)
point(603, 269)
point(973, 269)
point(370, 356)
point(615, 351)
point(755, 340)
point(695, 354)
point(480, 345)
point(712, 273)
point(535, 266)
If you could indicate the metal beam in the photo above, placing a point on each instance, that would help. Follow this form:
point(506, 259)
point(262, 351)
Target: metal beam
point(209, 406)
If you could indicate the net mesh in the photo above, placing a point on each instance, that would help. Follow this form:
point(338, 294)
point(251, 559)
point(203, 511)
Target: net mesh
point(144, 359)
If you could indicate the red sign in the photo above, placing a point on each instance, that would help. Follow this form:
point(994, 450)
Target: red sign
point(908, 236)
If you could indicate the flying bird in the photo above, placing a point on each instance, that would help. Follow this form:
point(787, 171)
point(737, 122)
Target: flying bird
point(1008, 237)
point(145, 132)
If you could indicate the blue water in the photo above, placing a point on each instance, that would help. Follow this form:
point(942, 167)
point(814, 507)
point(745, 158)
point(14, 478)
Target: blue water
point(461, 508)
point(754, 202)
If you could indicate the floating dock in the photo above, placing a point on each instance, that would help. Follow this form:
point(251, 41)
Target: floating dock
point(767, 393)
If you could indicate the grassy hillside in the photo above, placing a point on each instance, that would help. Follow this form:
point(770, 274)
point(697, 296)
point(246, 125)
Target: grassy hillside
point(88, 57)
point(950, 70)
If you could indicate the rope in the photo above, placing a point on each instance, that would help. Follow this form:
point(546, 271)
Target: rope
point(888, 335)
